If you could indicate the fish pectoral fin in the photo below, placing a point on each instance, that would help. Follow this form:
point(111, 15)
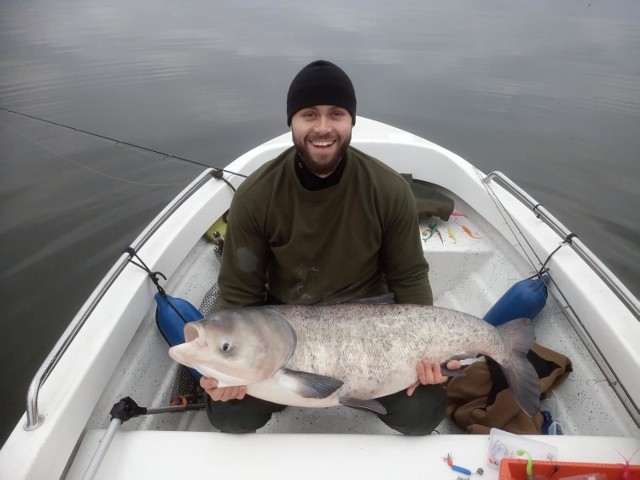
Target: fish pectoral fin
point(373, 404)
point(308, 385)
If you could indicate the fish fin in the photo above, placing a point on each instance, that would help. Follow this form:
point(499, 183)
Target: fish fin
point(519, 336)
point(373, 405)
point(309, 385)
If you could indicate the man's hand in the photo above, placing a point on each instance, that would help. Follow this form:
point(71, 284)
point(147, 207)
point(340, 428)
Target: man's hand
point(429, 374)
point(222, 394)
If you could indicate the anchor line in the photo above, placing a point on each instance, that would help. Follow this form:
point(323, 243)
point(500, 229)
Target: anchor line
point(124, 143)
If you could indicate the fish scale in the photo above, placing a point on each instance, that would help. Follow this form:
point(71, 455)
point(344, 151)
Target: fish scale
point(350, 354)
point(391, 348)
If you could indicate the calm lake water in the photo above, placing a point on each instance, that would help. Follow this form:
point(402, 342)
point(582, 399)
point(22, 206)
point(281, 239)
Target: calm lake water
point(547, 92)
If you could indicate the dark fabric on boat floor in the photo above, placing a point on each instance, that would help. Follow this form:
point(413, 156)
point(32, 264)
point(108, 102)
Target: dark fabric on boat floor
point(482, 400)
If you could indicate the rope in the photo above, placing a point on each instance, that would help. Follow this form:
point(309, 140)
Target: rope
point(154, 278)
point(152, 275)
point(566, 241)
point(543, 269)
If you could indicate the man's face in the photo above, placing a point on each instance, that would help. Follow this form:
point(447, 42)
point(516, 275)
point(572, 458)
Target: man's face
point(321, 134)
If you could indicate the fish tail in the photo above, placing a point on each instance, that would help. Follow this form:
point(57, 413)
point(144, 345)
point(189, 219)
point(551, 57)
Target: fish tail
point(518, 337)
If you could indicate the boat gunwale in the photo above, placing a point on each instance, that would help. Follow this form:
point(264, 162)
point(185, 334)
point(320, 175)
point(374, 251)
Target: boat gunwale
point(623, 293)
point(34, 419)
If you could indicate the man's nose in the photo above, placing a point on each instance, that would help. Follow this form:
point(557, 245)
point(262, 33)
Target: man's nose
point(323, 125)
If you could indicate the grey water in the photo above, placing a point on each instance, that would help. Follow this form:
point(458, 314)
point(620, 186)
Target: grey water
point(547, 92)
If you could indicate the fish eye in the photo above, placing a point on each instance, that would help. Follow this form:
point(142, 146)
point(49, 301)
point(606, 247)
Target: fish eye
point(226, 346)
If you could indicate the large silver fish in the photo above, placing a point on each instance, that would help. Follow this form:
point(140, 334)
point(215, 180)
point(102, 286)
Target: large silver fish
point(349, 354)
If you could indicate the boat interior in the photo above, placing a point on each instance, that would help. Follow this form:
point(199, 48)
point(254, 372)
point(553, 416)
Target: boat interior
point(468, 272)
point(113, 348)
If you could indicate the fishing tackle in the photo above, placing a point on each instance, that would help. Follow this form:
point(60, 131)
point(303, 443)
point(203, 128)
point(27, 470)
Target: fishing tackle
point(433, 228)
point(452, 235)
point(468, 231)
point(529, 468)
point(626, 473)
point(459, 469)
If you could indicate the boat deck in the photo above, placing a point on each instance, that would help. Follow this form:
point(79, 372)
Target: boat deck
point(467, 274)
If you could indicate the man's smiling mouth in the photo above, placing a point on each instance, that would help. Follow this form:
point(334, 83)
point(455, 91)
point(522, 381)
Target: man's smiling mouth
point(323, 143)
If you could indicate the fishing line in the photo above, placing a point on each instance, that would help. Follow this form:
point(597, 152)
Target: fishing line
point(511, 223)
point(78, 164)
point(121, 142)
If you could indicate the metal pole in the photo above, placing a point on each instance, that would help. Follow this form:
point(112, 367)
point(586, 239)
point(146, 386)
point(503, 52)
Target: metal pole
point(101, 452)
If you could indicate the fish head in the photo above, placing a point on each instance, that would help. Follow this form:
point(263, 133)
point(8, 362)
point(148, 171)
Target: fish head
point(237, 347)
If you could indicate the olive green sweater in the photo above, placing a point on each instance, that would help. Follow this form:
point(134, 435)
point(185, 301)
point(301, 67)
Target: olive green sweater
point(358, 238)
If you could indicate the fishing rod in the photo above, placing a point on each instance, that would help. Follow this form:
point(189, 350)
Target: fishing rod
point(120, 142)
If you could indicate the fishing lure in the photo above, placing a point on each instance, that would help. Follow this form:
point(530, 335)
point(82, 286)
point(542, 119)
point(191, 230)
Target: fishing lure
point(433, 227)
point(529, 469)
point(459, 469)
point(468, 231)
point(456, 213)
point(452, 235)
point(440, 235)
point(626, 473)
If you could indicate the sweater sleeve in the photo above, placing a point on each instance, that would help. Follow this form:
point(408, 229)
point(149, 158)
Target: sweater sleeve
point(405, 268)
point(243, 275)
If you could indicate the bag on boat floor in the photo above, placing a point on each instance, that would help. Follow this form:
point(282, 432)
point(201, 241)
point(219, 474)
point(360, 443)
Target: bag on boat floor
point(482, 399)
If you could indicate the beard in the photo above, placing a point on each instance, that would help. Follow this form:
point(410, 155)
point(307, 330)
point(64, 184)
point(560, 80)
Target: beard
point(318, 163)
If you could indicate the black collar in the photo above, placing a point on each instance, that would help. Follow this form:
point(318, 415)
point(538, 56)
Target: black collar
point(311, 182)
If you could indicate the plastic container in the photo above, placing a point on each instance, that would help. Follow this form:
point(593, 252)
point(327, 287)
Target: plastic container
point(549, 411)
point(505, 445)
point(587, 476)
point(512, 469)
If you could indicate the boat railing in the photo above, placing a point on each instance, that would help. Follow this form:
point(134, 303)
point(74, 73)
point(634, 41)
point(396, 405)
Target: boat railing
point(621, 291)
point(34, 419)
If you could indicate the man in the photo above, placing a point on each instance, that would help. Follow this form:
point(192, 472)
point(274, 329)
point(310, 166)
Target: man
point(324, 223)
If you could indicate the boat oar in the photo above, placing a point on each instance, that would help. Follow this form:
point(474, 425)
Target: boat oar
point(121, 412)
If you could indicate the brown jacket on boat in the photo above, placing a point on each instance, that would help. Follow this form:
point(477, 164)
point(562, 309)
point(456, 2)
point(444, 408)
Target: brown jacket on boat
point(481, 399)
point(356, 238)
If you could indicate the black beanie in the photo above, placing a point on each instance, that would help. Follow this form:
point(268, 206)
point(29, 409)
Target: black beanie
point(321, 83)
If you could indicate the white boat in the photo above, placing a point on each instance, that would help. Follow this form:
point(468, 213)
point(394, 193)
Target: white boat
point(112, 348)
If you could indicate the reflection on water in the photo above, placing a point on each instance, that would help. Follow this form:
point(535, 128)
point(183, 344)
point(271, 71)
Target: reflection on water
point(547, 92)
